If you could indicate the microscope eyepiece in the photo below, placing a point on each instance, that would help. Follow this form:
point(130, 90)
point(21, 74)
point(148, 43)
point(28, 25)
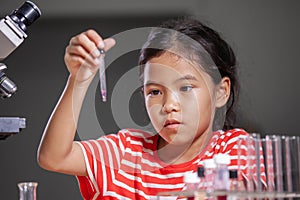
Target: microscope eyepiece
point(12, 34)
point(25, 15)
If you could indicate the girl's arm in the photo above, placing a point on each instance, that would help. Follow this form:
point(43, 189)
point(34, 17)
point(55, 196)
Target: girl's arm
point(57, 151)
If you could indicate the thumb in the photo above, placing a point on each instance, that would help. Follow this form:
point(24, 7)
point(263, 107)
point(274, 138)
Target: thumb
point(109, 43)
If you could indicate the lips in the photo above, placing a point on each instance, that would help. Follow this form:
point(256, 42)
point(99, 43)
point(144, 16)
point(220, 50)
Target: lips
point(171, 123)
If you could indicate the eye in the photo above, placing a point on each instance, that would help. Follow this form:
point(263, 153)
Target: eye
point(186, 88)
point(154, 92)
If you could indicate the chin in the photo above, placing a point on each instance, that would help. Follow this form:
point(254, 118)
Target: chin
point(179, 141)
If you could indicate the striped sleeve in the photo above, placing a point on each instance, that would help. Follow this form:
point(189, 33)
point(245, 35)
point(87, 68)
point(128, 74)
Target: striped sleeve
point(101, 156)
point(232, 145)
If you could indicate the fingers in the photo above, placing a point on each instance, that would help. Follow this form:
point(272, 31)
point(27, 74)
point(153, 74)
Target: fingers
point(95, 37)
point(83, 53)
point(78, 52)
point(99, 42)
point(87, 44)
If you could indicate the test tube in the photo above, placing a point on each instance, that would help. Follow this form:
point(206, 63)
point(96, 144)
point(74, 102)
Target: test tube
point(27, 190)
point(269, 156)
point(258, 161)
point(277, 162)
point(102, 76)
point(287, 169)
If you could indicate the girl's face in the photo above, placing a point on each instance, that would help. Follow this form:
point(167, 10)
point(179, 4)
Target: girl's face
point(180, 99)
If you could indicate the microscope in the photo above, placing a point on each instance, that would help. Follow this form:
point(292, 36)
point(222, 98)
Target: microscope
point(13, 30)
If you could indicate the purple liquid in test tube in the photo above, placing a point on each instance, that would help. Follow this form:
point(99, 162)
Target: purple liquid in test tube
point(102, 75)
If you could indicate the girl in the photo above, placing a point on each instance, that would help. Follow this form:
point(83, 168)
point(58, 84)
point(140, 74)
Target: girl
point(189, 85)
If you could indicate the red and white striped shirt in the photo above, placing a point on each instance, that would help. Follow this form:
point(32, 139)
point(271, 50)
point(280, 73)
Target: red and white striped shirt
point(126, 165)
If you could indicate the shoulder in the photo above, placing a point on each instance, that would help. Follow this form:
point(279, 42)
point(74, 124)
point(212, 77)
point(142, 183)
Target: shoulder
point(229, 134)
point(228, 140)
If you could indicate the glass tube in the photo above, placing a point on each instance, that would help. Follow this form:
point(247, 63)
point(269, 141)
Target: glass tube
point(27, 190)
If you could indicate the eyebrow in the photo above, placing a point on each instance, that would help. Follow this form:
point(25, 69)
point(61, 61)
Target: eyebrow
point(187, 77)
point(184, 78)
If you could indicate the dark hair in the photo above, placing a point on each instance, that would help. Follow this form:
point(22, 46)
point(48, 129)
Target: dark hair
point(196, 42)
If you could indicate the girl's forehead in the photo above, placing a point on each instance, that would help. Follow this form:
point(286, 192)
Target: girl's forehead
point(171, 66)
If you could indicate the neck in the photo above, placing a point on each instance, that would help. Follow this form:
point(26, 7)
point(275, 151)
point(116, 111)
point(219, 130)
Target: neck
point(177, 154)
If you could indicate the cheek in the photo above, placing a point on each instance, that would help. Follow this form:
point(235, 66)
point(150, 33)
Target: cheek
point(153, 111)
point(206, 109)
point(197, 107)
point(191, 113)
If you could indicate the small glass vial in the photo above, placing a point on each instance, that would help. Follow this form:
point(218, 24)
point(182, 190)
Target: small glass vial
point(201, 175)
point(210, 173)
point(235, 183)
point(201, 193)
point(221, 181)
point(27, 190)
point(191, 181)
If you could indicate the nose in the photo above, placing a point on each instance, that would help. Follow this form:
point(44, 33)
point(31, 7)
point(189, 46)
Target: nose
point(171, 102)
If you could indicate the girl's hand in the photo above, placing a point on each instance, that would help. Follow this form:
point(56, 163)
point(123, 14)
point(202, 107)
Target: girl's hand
point(82, 55)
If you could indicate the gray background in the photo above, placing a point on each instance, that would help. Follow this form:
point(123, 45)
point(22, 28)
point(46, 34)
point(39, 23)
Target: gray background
point(264, 35)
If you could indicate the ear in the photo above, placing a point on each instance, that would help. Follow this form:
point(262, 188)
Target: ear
point(223, 92)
